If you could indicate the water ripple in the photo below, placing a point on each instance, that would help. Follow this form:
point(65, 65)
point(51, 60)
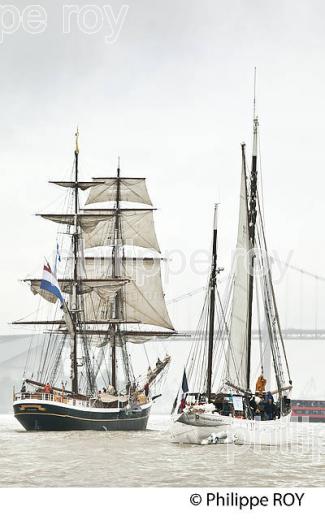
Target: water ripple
point(107, 459)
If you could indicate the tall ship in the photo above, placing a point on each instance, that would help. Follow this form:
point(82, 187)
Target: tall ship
point(103, 301)
point(234, 389)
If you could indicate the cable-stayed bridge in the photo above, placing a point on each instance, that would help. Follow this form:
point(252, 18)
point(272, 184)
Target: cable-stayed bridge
point(300, 298)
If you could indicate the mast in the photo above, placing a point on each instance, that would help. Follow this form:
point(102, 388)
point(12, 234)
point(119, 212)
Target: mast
point(252, 214)
point(75, 237)
point(115, 267)
point(212, 290)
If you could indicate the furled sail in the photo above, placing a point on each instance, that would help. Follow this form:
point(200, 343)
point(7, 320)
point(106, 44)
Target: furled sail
point(130, 190)
point(82, 185)
point(137, 227)
point(237, 351)
point(142, 299)
point(138, 339)
point(105, 289)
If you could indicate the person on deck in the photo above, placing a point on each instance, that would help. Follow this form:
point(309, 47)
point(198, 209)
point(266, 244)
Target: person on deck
point(226, 409)
point(23, 388)
point(111, 390)
point(270, 406)
point(146, 389)
point(47, 390)
point(260, 384)
point(261, 409)
point(253, 405)
point(218, 403)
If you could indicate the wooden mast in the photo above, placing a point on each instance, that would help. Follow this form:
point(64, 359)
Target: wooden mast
point(116, 273)
point(252, 214)
point(212, 290)
point(75, 239)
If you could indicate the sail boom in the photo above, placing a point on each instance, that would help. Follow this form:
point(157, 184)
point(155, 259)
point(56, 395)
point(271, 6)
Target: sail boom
point(88, 213)
point(113, 210)
point(83, 280)
point(145, 335)
point(103, 179)
point(86, 322)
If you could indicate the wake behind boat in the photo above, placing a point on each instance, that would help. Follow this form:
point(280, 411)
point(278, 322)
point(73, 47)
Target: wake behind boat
point(111, 276)
point(216, 402)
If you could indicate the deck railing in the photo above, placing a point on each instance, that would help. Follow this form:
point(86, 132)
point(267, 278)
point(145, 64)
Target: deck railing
point(64, 398)
point(54, 397)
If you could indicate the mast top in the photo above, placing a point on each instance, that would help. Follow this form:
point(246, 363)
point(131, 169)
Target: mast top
point(254, 102)
point(255, 118)
point(215, 218)
point(118, 166)
point(77, 141)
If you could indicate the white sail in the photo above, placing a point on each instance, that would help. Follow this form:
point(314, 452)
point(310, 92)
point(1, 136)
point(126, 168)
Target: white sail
point(237, 351)
point(137, 227)
point(142, 299)
point(131, 190)
point(137, 230)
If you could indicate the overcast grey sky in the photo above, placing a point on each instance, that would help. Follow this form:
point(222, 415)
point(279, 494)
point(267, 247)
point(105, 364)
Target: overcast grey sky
point(173, 97)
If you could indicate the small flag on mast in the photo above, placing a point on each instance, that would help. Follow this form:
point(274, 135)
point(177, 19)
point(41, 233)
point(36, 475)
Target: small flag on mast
point(50, 284)
point(184, 383)
point(57, 258)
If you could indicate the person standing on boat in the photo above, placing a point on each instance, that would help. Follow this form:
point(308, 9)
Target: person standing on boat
point(253, 405)
point(47, 390)
point(260, 384)
point(270, 406)
point(111, 390)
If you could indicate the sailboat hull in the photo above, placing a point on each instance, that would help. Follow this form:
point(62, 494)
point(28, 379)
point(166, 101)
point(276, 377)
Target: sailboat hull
point(194, 428)
point(36, 415)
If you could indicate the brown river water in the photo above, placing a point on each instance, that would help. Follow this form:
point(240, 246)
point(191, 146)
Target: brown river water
point(149, 459)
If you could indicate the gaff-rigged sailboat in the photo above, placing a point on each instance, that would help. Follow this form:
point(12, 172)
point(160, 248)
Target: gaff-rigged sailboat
point(216, 402)
point(112, 282)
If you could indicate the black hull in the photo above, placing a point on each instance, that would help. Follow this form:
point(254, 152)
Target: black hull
point(53, 417)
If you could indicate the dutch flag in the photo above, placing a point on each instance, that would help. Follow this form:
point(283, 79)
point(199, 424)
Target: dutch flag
point(50, 284)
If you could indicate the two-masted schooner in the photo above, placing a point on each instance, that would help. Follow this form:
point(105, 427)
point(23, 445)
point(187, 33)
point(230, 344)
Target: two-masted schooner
point(109, 296)
point(229, 391)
